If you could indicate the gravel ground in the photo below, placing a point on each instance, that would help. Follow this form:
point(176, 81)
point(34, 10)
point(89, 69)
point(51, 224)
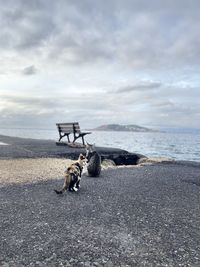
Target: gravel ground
point(31, 170)
point(35, 170)
point(133, 216)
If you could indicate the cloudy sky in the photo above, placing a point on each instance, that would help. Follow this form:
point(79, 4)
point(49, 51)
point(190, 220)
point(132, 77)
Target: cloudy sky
point(99, 61)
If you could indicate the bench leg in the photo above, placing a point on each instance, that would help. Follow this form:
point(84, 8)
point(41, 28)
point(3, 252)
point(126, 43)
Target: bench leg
point(82, 136)
point(61, 136)
point(83, 140)
point(76, 137)
point(68, 138)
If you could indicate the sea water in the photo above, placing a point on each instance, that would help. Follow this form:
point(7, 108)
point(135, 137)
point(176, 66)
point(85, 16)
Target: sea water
point(180, 146)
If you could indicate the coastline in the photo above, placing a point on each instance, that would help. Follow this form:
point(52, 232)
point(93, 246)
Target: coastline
point(179, 146)
point(25, 160)
point(17, 147)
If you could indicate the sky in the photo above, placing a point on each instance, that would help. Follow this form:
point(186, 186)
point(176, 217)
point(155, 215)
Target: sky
point(99, 62)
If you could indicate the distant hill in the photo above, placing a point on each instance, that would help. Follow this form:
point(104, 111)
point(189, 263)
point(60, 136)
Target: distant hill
point(123, 128)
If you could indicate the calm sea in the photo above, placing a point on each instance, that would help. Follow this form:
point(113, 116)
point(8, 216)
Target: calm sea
point(180, 146)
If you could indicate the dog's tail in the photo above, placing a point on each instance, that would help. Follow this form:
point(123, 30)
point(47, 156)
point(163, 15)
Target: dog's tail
point(58, 191)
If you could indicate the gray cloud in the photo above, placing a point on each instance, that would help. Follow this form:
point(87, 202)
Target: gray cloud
point(143, 86)
point(133, 33)
point(30, 70)
point(92, 109)
point(25, 24)
point(45, 111)
point(163, 104)
point(50, 105)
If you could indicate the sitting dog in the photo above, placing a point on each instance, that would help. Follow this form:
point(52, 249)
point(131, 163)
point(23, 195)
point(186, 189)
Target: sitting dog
point(73, 175)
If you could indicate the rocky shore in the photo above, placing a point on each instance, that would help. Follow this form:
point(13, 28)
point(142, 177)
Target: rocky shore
point(140, 215)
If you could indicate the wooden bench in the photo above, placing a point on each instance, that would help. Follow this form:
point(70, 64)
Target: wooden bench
point(65, 129)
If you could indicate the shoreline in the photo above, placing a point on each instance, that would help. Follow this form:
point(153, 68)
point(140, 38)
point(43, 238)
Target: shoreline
point(172, 145)
point(25, 160)
point(13, 147)
point(17, 147)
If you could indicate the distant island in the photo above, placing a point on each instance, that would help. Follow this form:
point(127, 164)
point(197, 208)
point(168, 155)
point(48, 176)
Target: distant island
point(123, 128)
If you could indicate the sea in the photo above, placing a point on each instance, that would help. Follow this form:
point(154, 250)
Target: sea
point(171, 145)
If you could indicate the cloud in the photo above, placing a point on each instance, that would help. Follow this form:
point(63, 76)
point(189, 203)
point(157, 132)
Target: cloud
point(143, 86)
point(93, 109)
point(30, 70)
point(45, 111)
point(16, 104)
point(25, 25)
point(163, 104)
point(135, 34)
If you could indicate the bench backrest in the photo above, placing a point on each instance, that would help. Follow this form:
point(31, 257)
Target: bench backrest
point(69, 127)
